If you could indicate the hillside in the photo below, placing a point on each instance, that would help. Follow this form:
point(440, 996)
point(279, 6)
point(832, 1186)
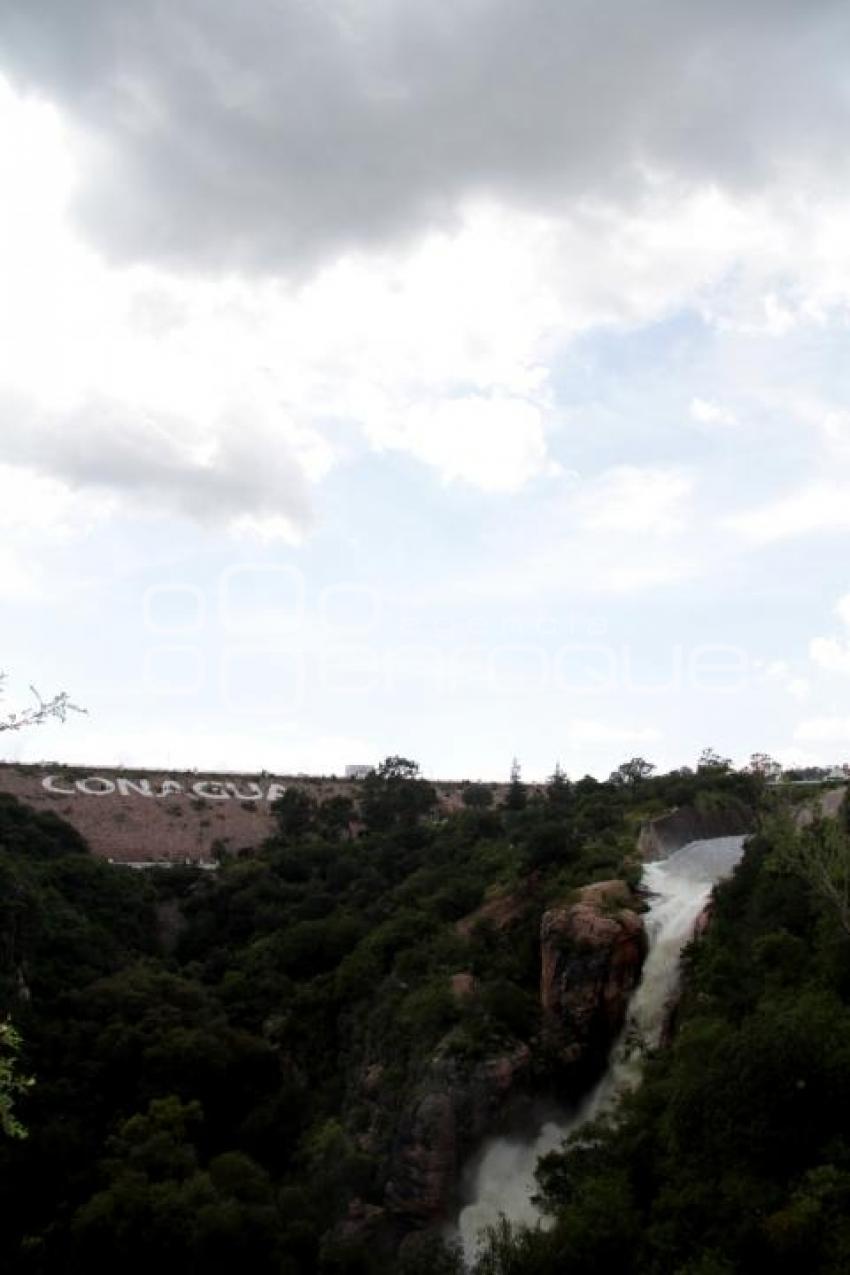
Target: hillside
point(287, 1063)
point(179, 816)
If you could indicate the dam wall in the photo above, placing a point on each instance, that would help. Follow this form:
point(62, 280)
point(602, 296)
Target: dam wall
point(145, 816)
point(661, 837)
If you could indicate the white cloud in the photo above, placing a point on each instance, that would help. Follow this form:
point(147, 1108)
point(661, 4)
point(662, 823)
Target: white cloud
point(44, 507)
point(707, 412)
point(830, 653)
point(80, 742)
point(816, 507)
point(213, 398)
point(497, 444)
point(638, 500)
point(823, 730)
point(19, 579)
point(782, 674)
point(587, 731)
point(836, 430)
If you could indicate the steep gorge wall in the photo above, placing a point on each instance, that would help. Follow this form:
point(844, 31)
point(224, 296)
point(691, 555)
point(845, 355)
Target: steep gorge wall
point(592, 949)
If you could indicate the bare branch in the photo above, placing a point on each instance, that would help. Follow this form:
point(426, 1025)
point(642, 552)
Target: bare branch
point(42, 710)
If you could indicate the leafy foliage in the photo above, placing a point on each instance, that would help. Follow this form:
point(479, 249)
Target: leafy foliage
point(12, 1083)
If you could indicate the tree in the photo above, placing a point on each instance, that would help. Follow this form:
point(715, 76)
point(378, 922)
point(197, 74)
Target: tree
point(517, 798)
point(396, 794)
point(632, 772)
point(559, 792)
point(397, 769)
point(39, 712)
point(295, 812)
point(12, 1083)
point(765, 765)
point(711, 760)
point(335, 816)
point(476, 796)
point(820, 856)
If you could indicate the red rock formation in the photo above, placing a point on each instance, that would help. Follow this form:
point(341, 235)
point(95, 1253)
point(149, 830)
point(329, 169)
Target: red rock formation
point(592, 952)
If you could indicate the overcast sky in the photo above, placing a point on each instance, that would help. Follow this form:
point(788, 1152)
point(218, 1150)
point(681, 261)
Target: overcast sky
point(464, 381)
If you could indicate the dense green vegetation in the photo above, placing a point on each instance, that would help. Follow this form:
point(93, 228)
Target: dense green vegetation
point(199, 1041)
point(734, 1156)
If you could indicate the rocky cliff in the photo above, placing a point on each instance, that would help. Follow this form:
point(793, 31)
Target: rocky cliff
point(454, 1108)
point(592, 953)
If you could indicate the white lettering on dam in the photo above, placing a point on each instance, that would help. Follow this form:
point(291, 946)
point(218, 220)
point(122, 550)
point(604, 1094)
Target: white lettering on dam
point(205, 789)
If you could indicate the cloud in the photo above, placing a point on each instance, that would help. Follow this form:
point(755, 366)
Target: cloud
point(782, 674)
point(707, 412)
point(495, 443)
point(82, 743)
point(643, 500)
point(580, 731)
point(836, 430)
point(830, 654)
point(18, 581)
point(33, 504)
point(432, 288)
point(282, 133)
point(823, 730)
point(819, 506)
point(38, 516)
point(231, 471)
point(128, 384)
point(833, 654)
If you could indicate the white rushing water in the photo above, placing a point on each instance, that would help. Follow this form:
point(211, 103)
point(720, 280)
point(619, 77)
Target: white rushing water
point(503, 1179)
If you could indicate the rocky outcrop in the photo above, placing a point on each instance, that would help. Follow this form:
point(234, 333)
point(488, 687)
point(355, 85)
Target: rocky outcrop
point(362, 1223)
point(502, 911)
point(464, 987)
point(456, 1105)
point(592, 953)
point(661, 837)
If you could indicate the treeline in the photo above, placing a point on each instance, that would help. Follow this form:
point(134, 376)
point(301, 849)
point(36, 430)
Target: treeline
point(199, 1041)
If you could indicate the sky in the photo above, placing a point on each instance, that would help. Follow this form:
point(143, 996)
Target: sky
point(462, 381)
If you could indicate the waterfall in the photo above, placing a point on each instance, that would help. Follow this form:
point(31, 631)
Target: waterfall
point(502, 1178)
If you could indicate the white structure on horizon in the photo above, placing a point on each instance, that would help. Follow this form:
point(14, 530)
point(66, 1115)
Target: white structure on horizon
point(358, 772)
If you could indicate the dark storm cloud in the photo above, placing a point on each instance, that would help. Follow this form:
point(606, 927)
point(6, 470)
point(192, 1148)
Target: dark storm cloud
point(269, 134)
